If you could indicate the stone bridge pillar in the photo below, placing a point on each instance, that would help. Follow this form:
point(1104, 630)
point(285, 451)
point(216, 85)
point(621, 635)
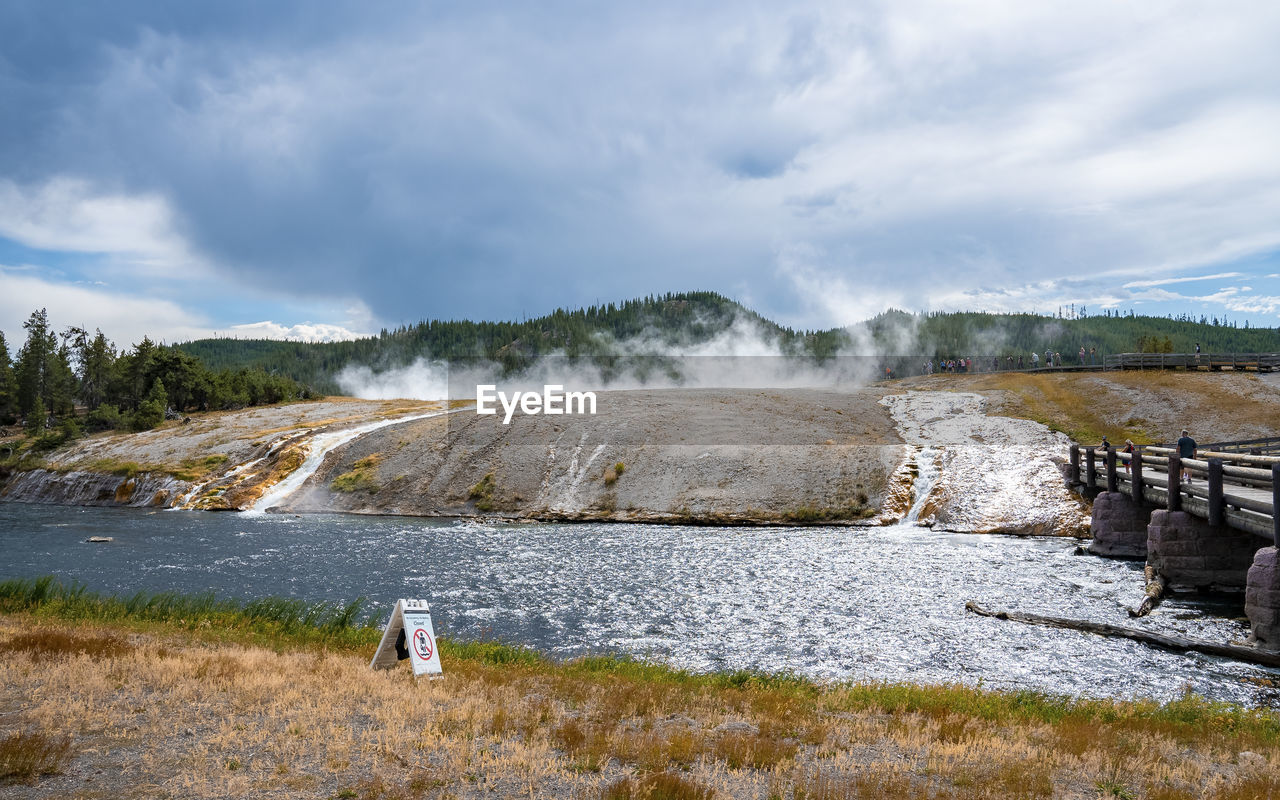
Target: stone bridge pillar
point(1192, 554)
point(1119, 526)
point(1262, 599)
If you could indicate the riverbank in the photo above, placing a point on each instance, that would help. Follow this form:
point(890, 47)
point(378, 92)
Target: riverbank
point(186, 696)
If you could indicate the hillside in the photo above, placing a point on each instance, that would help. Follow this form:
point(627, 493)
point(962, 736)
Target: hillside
point(674, 322)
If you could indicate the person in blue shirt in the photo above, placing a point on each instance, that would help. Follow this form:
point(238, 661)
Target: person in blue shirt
point(1186, 449)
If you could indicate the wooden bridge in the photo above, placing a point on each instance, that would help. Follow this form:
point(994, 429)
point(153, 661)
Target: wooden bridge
point(1233, 484)
point(1259, 362)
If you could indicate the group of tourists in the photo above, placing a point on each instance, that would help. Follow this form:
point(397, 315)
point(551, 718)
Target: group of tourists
point(951, 365)
point(1008, 363)
point(1186, 449)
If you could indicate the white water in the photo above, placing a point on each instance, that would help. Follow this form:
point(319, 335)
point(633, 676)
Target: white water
point(991, 473)
point(926, 474)
point(320, 446)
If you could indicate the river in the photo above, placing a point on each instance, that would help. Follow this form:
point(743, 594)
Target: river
point(831, 603)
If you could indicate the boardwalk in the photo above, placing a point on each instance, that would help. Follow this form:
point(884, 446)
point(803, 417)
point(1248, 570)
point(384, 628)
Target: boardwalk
point(1239, 490)
point(1214, 362)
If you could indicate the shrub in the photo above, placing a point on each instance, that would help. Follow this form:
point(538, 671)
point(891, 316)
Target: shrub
point(105, 417)
point(482, 493)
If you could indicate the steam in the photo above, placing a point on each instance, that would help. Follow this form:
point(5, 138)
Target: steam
point(422, 380)
point(743, 355)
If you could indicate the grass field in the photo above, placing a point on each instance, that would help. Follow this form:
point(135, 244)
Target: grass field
point(164, 695)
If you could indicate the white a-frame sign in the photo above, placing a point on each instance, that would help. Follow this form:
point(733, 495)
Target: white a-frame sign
point(409, 635)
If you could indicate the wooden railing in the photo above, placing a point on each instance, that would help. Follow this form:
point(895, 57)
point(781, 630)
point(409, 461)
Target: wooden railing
point(1261, 362)
point(1239, 490)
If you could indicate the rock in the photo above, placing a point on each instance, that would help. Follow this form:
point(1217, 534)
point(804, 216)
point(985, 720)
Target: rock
point(678, 721)
point(736, 726)
point(98, 539)
point(1248, 758)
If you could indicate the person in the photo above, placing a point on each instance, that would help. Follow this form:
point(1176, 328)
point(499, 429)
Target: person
point(1082, 355)
point(1093, 355)
point(1048, 357)
point(1106, 445)
point(1197, 352)
point(1128, 448)
point(1035, 360)
point(1186, 449)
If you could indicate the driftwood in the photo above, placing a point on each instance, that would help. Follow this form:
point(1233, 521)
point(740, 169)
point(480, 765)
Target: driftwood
point(1155, 590)
point(1238, 652)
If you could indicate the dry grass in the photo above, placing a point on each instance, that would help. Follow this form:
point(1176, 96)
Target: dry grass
point(48, 643)
point(657, 786)
point(1148, 407)
point(27, 755)
point(193, 711)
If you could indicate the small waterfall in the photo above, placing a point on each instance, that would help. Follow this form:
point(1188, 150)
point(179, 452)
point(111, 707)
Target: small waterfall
point(926, 475)
point(318, 447)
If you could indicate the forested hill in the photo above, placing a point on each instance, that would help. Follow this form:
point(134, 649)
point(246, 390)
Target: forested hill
point(663, 323)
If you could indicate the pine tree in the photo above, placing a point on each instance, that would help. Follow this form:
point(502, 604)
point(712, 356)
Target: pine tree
point(31, 373)
point(150, 411)
point(36, 418)
point(8, 387)
point(97, 358)
point(61, 382)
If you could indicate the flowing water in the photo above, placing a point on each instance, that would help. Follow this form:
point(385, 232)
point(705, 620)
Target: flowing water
point(867, 604)
point(320, 446)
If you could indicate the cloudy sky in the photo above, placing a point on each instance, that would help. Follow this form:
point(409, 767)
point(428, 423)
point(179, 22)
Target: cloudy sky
point(318, 169)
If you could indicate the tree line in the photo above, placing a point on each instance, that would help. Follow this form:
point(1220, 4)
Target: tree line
point(671, 320)
point(56, 375)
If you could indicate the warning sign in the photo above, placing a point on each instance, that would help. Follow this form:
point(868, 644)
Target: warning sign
point(410, 625)
point(422, 644)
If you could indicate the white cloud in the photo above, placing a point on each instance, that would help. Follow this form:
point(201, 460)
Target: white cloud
point(1189, 279)
point(70, 215)
point(125, 318)
point(302, 332)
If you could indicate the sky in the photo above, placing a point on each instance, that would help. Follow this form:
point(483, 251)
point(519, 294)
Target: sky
point(321, 170)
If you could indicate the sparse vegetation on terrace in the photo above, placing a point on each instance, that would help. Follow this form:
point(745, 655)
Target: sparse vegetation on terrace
point(848, 511)
point(363, 476)
point(482, 493)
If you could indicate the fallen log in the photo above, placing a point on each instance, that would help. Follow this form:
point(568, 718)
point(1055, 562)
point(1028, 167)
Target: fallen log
point(1155, 590)
point(1177, 643)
